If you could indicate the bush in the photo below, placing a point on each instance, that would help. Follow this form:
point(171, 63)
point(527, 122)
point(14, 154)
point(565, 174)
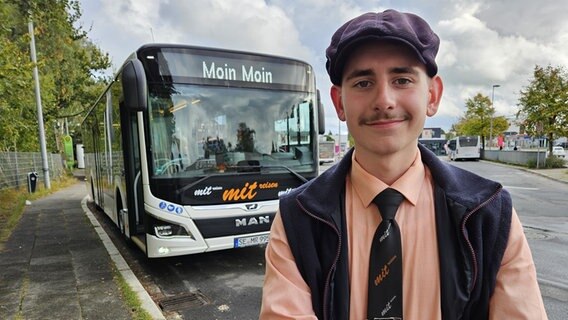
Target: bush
point(549, 163)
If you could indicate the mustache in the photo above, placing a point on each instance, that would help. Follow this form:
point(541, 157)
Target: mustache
point(382, 116)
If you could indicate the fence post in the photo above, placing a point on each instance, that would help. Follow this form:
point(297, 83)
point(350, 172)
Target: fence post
point(17, 170)
point(55, 173)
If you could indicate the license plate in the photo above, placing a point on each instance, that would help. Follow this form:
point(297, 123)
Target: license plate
point(251, 241)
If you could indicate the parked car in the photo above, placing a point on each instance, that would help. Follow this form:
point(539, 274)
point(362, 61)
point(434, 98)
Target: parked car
point(558, 151)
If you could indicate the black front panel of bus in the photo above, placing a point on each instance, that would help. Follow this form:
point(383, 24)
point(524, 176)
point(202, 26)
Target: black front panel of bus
point(224, 189)
point(220, 227)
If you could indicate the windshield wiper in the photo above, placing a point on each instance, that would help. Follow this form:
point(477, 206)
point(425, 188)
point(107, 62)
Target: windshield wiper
point(294, 173)
point(184, 188)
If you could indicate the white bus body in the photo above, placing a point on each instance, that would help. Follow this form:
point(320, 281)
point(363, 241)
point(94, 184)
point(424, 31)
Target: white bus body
point(465, 147)
point(326, 152)
point(189, 148)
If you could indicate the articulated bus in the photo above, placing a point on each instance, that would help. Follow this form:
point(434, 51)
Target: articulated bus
point(464, 147)
point(189, 148)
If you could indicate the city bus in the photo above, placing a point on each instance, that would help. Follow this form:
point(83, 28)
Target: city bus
point(327, 152)
point(464, 147)
point(189, 148)
point(436, 145)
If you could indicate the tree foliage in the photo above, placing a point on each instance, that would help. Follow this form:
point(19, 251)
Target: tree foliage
point(67, 62)
point(544, 103)
point(480, 120)
point(16, 86)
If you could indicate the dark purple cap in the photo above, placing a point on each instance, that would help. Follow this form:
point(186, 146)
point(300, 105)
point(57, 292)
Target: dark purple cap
point(388, 25)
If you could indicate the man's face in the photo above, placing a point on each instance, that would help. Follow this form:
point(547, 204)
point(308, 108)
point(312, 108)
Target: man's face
point(384, 97)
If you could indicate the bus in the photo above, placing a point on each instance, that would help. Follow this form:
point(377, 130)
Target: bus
point(464, 147)
point(189, 148)
point(326, 152)
point(436, 145)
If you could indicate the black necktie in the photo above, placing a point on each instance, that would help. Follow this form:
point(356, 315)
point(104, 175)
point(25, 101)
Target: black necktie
point(385, 264)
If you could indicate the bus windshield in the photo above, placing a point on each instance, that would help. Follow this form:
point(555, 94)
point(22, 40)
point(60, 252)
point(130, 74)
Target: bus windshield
point(198, 130)
point(224, 112)
point(468, 141)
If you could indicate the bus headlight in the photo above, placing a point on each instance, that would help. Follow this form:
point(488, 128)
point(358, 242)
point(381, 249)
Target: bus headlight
point(166, 229)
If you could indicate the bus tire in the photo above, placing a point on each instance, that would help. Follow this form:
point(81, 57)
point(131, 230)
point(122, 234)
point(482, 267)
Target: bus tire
point(121, 223)
point(119, 219)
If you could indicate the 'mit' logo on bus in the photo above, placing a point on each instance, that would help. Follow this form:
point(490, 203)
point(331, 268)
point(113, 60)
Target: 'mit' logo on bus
point(245, 193)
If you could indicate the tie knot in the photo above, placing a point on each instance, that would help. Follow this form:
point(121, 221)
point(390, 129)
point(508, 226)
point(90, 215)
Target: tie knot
point(388, 202)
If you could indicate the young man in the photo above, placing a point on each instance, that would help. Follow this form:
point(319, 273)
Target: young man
point(463, 251)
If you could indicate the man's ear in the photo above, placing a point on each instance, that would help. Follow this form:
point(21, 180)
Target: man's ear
point(434, 95)
point(335, 93)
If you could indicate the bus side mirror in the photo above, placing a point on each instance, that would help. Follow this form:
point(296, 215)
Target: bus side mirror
point(321, 115)
point(134, 86)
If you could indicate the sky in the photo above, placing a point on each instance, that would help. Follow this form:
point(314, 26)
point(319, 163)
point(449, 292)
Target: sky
point(483, 43)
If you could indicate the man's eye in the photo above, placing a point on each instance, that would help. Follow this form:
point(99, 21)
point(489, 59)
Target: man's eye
point(363, 84)
point(402, 81)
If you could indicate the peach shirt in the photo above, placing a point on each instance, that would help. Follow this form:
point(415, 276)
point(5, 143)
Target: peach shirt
point(287, 296)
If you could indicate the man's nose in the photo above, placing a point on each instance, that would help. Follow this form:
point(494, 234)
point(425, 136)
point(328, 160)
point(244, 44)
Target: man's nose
point(384, 96)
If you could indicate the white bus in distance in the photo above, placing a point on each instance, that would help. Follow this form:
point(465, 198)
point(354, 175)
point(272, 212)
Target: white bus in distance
point(464, 147)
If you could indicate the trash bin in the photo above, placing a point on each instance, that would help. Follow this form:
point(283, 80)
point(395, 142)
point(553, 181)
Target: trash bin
point(32, 181)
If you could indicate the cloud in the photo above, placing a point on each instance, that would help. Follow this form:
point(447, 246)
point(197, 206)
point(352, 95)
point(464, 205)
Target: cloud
point(477, 53)
point(483, 42)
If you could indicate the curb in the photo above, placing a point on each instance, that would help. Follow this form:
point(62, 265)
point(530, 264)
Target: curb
point(533, 171)
point(546, 176)
point(146, 301)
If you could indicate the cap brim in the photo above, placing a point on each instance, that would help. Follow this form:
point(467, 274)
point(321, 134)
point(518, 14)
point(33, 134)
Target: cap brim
point(343, 53)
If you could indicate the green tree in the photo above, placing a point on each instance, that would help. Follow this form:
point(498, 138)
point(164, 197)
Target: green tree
point(67, 64)
point(16, 86)
point(544, 103)
point(480, 120)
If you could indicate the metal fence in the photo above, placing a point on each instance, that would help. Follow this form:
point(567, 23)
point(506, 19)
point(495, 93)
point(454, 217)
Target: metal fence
point(15, 166)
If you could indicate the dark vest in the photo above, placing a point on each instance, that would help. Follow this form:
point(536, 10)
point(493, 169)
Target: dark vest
point(473, 218)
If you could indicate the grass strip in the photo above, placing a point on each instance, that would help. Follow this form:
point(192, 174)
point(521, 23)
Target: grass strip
point(130, 298)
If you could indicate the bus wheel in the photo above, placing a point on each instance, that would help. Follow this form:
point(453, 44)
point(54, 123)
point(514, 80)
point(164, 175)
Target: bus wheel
point(93, 191)
point(122, 215)
point(121, 226)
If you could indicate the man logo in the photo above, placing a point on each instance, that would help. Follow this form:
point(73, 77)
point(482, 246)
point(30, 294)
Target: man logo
point(252, 206)
point(252, 221)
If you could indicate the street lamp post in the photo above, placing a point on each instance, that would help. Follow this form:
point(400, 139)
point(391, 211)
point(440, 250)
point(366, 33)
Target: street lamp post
point(491, 115)
point(41, 129)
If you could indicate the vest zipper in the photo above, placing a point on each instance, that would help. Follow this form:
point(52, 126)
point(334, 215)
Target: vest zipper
point(333, 266)
point(471, 250)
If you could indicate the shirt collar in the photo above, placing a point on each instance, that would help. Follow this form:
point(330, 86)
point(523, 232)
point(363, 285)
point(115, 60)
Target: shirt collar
point(368, 186)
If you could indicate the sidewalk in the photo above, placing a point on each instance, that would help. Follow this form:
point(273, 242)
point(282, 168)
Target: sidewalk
point(55, 265)
point(560, 174)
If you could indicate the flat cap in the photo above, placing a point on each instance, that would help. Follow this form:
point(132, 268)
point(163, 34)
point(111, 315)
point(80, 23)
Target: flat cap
point(390, 24)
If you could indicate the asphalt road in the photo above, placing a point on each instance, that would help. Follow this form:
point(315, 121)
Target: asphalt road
point(228, 284)
point(542, 206)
